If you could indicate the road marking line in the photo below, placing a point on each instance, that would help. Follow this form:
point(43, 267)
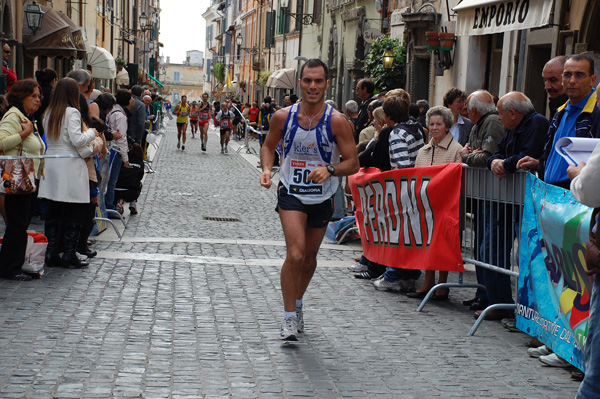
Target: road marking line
point(205, 260)
point(354, 247)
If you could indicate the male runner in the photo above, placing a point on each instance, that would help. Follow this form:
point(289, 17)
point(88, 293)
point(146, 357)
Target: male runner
point(194, 119)
point(314, 136)
point(182, 110)
point(204, 110)
point(224, 118)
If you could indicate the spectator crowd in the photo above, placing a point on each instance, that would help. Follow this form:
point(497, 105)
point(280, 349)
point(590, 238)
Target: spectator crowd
point(74, 129)
point(70, 118)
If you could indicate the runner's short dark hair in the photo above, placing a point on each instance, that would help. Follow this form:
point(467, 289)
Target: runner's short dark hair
point(314, 63)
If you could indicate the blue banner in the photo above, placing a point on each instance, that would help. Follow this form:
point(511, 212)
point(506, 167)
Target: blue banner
point(554, 291)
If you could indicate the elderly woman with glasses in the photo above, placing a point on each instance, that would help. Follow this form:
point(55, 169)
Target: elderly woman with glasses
point(441, 149)
point(18, 131)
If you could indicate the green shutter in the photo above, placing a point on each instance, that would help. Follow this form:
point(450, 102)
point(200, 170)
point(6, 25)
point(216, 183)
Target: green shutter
point(299, 9)
point(268, 30)
point(273, 21)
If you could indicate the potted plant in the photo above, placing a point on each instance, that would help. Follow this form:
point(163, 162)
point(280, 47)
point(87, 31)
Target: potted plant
point(219, 71)
point(242, 85)
point(447, 40)
point(264, 76)
point(433, 40)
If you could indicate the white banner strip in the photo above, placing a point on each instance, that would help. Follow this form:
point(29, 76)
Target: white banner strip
point(484, 17)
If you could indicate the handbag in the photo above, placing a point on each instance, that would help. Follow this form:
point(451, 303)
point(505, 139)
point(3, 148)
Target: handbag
point(17, 176)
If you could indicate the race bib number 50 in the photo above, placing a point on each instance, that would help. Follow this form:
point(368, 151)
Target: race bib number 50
point(300, 184)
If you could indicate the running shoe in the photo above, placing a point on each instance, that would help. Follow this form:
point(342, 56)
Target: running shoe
point(226, 152)
point(383, 285)
point(183, 147)
point(539, 351)
point(222, 150)
point(204, 146)
point(300, 319)
point(289, 329)
point(553, 360)
point(178, 145)
point(358, 267)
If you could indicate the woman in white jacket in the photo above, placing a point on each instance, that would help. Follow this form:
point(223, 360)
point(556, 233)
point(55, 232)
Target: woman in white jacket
point(65, 183)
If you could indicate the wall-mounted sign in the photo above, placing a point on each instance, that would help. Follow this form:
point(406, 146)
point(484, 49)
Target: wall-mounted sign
point(371, 34)
point(480, 17)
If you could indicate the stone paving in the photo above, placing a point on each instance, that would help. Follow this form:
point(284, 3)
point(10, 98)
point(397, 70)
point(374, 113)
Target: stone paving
point(184, 307)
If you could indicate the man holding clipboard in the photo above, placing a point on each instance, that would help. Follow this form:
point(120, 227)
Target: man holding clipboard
point(579, 117)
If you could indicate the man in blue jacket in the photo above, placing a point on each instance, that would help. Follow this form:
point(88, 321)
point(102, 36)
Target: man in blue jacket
point(578, 118)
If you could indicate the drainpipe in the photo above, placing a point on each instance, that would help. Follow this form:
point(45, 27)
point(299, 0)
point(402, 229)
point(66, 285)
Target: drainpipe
point(20, 50)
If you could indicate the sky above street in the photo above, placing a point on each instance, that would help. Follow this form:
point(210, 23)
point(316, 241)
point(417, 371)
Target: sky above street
point(182, 28)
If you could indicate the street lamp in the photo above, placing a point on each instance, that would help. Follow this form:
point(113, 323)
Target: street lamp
point(143, 20)
point(146, 23)
point(388, 59)
point(34, 14)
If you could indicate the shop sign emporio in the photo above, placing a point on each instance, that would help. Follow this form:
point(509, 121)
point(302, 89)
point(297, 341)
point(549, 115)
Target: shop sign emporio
point(480, 17)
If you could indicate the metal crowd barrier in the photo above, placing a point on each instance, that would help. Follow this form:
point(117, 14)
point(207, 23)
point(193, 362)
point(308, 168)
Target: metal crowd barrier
point(102, 187)
point(160, 129)
point(486, 197)
point(249, 149)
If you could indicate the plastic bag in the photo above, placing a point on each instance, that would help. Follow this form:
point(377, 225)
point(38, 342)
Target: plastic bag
point(35, 254)
point(342, 230)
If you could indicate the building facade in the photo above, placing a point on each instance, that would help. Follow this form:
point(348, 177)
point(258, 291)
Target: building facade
point(496, 45)
point(126, 31)
point(180, 80)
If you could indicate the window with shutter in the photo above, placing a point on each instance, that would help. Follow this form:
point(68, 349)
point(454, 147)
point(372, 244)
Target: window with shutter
point(317, 7)
point(299, 10)
point(268, 30)
point(273, 21)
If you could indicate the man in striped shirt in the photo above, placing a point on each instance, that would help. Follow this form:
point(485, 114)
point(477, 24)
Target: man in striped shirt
point(405, 140)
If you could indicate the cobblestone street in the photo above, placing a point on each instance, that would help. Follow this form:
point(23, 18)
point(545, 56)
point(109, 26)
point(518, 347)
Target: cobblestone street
point(187, 307)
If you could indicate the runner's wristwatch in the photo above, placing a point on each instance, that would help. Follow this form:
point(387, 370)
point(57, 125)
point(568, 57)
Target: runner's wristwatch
point(331, 169)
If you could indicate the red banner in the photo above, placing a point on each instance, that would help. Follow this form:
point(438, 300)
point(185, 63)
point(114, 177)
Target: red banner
point(409, 218)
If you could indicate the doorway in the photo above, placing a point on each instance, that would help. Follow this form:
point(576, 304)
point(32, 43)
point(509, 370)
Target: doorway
point(537, 56)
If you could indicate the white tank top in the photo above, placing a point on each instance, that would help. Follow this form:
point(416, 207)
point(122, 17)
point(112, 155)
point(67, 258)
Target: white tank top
point(305, 150)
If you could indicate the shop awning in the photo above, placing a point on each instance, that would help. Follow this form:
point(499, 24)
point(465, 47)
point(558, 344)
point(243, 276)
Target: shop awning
point(282, 79)
point(481, 17)
point(77, 34)
point(102, 63)
point(156, 80)
point(53, 39)
point(122, 77)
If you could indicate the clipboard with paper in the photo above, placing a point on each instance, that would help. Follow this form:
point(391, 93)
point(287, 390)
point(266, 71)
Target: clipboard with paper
point(576, 149)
